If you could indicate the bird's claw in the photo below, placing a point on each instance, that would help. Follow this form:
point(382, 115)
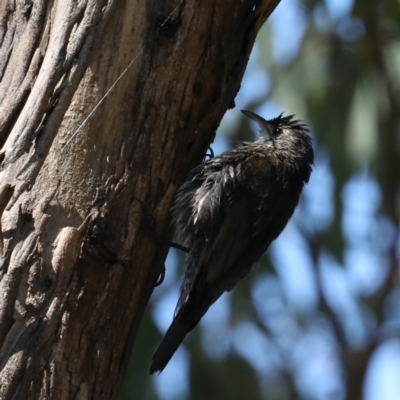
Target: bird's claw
point(209, 155)
point(160, 277)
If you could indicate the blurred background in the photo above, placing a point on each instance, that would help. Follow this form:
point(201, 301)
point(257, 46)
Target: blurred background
point(320, 319)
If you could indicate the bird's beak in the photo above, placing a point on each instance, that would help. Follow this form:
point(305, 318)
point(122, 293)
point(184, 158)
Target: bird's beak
point(265, 127)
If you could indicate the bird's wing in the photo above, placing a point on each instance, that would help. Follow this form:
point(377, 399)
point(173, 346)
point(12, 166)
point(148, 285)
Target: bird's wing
point(229, 226)
point(236, 219)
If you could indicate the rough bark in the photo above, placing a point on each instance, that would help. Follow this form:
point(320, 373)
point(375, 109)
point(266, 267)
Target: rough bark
point(77, 268)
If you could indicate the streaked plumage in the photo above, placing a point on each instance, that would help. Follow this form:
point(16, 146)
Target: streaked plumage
point(228, 211)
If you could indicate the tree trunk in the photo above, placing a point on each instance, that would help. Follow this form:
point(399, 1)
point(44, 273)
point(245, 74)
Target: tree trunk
point(77, 269)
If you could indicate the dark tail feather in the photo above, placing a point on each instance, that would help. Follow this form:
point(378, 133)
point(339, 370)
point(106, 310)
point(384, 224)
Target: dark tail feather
point(170, 343)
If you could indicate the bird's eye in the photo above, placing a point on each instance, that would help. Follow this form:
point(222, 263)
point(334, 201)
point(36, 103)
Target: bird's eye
point(277, 131)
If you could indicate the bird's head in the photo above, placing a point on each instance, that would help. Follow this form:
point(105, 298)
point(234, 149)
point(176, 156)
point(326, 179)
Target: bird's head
point(285, 136)
point(272, 128)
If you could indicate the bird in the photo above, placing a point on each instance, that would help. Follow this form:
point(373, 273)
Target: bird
point(228, 211)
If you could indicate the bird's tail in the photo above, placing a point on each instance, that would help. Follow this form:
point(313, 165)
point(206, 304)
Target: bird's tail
point(170, 343)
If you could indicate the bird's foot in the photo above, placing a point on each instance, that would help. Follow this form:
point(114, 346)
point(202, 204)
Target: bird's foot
point(160, 277)
point(210, 155)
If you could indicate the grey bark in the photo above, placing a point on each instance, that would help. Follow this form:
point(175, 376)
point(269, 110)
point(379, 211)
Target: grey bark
point(77, 269)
